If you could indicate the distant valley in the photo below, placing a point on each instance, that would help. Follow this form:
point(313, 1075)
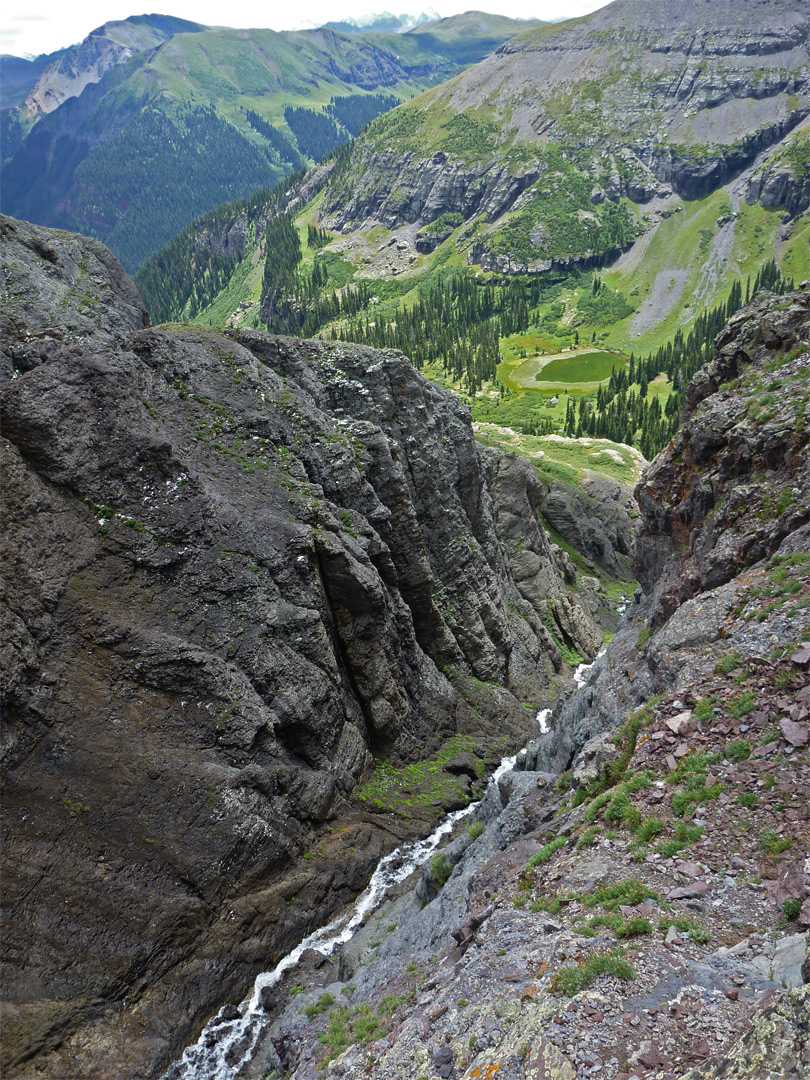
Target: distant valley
point(152, 121)
point(614, 183)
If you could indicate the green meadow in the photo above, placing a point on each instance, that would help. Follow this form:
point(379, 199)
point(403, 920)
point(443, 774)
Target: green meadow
point(584, 369)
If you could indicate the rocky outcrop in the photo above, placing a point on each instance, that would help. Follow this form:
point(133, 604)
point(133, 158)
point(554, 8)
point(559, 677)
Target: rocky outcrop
point(243, 568)
point(735, 481)
point(784, 182)
point(599, 519)
point(632, 102)
point(58, 287)
point(401, 189)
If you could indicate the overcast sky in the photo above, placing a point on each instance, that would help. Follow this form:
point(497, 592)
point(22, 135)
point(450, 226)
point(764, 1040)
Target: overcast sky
point(47, 25)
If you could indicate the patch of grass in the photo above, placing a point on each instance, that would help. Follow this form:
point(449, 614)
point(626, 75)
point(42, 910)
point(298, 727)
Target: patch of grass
point(621, 927)
point(685, 836)
point(749, 799)
point(563, 782)
point(621, 811)
point(545, 852)
point(324, 1002)
point(648, 829)
point(692, 772)
point(626, 893)
point(421, 787)
point(791, 909)
point(571, 979)
point(475, 830)
point(727, 663)
point(697, 932)
point(588, 838)
point(551, 905)
point(742, 704)
point(773, 843)
point(704, 709)
point(738, 750)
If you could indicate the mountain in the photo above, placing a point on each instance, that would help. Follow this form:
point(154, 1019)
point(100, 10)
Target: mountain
point(274, 611)
point(252, 566)
point(557, 146)
point(177, 118)
point(111, 44)
point(619, 182)
point(33, 88)
point(384, 23)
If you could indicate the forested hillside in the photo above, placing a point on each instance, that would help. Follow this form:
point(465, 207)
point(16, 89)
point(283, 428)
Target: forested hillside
point(558, 233)
point(173, 124)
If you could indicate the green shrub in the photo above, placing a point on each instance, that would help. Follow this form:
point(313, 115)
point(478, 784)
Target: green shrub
point(324, 1002)
point(649, 828)
point(571, 979)
point(727, 663)
point(791, 908)
point(442, 867)
point(738, 750)
point(771, 842)
point(475, 830)
point(742, 704)
point(628, 893)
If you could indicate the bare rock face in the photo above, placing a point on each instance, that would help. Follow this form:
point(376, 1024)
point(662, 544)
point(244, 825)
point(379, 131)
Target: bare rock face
point(735, 481)
point(58, 287)
point(241, 568)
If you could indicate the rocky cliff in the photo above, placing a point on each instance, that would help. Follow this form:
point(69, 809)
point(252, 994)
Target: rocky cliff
point(242, 568)
point(633, 900)
point(546, 144)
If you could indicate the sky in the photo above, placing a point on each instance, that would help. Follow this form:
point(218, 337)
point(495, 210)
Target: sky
point(47, 25)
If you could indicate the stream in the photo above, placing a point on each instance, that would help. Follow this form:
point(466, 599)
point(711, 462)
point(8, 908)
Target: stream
point(226, 1045)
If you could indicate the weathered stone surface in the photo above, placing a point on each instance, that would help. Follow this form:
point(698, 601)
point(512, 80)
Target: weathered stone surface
point(735, 482)
point(600, 520)
point(60, 288)
point(241, 566)
point(774, 1046)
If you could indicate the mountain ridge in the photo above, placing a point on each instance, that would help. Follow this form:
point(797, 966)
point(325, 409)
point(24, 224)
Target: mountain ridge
point(252, 85)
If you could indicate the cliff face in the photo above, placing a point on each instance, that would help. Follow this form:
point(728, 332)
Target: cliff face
point(242, 568)
point(644, 912)
point(735, 482)
point(634, 103)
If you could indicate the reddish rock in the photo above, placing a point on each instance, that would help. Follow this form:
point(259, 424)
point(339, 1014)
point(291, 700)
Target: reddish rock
point(796, 734)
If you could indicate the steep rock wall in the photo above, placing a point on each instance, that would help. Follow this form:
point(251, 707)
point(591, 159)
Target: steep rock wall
point(241, 567)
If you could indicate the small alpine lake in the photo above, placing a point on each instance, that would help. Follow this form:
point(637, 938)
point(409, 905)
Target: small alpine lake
point(581, 371)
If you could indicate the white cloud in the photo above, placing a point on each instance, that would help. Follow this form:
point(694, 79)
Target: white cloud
point(53, 24)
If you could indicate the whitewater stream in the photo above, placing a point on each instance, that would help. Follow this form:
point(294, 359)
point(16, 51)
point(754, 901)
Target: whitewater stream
point(225, 1046)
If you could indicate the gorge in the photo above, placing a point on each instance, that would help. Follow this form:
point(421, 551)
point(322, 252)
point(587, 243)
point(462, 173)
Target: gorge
point(371, 707)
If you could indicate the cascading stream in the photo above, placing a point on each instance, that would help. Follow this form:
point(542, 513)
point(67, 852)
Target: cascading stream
point(224, 1046)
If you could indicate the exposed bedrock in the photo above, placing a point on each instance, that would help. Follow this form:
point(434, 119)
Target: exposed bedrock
point(240, 568)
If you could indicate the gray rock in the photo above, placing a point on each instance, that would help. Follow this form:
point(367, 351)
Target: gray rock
point(244, 568)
